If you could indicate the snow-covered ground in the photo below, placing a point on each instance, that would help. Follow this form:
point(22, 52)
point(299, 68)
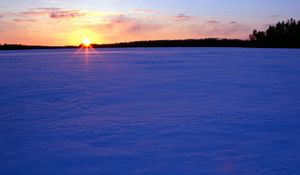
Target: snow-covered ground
point(149, 111)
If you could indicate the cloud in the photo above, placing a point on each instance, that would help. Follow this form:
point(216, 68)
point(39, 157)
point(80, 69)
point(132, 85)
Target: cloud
point(35, 13)
point(65, 14)
point(120, 19)
point(46, 8)
point(128, 25)
point(224, 30)
point(118, 28)
point(213, 22)
point(183, 17)
point(53, 12)
point(146, 11)
point(275, 16)
point(124, 27)
point(1, 16)
point(24, 20)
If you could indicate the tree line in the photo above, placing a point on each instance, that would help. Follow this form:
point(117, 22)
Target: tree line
point(283, 34)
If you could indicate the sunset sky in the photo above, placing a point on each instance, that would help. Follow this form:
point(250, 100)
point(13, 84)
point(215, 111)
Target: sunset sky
point(66, 22)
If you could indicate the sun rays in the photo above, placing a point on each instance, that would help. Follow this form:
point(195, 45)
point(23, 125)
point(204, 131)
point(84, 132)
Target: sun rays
point(86, 49)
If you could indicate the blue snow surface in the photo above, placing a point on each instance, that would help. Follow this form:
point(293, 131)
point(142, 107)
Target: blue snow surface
point(150, 111)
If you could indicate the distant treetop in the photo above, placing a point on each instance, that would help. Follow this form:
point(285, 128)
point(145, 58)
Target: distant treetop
point(283, 34)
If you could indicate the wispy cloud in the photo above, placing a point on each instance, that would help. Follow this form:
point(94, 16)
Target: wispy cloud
point(66, 14)
point(146, 11)
point(128, 28)
point(275, 16)
point(128, 25)
point(24, 20)
point(183, 17)
point(53, 12)
point(213, 22)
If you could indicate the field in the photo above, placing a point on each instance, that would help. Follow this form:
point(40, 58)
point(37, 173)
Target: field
point(150, 111)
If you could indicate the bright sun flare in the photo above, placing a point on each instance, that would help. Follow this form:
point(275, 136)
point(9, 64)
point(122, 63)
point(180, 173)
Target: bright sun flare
point(86, 42)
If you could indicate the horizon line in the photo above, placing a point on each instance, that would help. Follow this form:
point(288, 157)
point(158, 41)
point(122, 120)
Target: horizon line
point(126, 42)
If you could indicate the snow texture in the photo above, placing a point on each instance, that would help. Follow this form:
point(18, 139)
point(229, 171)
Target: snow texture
point(158, 111)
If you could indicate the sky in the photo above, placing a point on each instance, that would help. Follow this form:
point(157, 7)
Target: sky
point(68, 22)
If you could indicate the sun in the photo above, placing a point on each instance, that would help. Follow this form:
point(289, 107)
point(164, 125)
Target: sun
point(86, 42)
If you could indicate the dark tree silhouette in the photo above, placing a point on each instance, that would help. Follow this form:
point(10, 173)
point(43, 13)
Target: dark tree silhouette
point(283, 34)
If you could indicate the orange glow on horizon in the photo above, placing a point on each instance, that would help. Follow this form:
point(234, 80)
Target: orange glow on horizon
point(84, 36)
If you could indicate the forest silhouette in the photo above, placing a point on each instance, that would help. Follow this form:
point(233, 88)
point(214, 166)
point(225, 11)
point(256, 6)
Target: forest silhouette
point(282, 35)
